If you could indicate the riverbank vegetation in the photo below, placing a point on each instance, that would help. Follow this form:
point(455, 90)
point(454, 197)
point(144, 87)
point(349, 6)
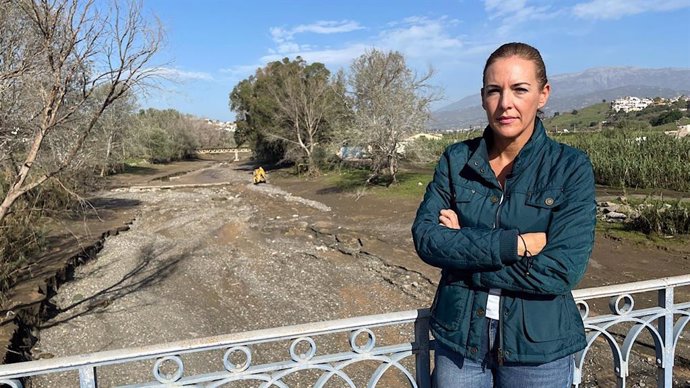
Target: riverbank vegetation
point(70, 71)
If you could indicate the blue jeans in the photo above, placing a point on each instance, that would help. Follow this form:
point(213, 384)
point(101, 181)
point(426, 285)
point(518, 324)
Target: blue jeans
point(454, 371)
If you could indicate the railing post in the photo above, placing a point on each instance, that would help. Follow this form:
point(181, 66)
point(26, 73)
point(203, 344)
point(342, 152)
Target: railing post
point(422, 358)
point(87, 377)
point(665, 364)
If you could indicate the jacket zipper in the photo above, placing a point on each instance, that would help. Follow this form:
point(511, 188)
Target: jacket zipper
point(501, 355)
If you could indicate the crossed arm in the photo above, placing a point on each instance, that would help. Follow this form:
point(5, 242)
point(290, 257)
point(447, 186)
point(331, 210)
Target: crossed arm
point(557, 258)
point(533, 242)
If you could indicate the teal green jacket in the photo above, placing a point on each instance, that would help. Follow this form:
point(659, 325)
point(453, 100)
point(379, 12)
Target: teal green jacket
point(551, 190)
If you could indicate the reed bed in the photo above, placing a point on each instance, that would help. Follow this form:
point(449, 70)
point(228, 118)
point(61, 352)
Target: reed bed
point(650, 161)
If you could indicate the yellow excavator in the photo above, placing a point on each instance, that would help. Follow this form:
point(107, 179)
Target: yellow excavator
point(259, 176)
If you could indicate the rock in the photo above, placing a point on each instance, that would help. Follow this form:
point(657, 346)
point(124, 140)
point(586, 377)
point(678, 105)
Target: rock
point(627, 209)
point(611, 208)
point(616, 216)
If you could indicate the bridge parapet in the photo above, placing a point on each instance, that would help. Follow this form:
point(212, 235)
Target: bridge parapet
point(221, 150)
point(359, 344)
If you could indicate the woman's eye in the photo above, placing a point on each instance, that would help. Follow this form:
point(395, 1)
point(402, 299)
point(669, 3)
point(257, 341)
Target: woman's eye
point(521, 90)
point(491, 91)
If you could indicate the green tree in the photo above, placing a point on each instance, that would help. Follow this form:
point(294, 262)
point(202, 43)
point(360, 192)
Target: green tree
point(666, 117)
point(288, 109)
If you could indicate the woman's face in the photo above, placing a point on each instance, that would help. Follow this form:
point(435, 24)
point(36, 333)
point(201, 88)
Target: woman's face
point(511, 97)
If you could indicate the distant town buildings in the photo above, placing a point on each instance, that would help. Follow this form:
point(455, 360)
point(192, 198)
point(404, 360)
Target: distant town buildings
point(229, 126)
point(633, 104)
point(630, 104)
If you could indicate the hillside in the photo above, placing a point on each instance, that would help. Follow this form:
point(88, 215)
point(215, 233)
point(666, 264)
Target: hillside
point(578, 90)
point(586, 117)
point(600, 116)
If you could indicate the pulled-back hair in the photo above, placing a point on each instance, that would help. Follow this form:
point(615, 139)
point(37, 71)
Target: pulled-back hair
point(523, 51)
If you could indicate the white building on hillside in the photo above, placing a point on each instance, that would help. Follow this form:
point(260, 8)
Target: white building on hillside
point(630, 104)
point(229, 126)
point(428, 136)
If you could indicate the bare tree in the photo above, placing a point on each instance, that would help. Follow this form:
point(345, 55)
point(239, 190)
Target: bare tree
point(79, 49)
point(390, 103)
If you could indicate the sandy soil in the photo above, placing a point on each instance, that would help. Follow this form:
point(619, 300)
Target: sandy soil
point(231, 256)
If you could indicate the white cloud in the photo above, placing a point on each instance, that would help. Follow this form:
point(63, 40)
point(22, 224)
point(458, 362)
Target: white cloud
point(321, 27)
point(501, 8)
point(513, 13)
point(416, 37)
point(616, 9)
point(240, 71)
point(183, 75)
point(332, 57)
point(420, 37)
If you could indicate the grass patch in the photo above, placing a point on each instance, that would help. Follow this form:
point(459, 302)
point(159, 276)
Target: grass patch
point(584, 118)
point(620, 232)
point(411, 184)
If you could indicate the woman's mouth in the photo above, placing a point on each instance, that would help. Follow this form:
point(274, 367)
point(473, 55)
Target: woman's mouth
point(506, 119)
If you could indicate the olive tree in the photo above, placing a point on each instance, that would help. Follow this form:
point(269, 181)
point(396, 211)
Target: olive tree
point(390, 103)
point(289, 108)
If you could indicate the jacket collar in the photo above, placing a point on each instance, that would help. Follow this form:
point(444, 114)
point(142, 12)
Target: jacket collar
point(479, 161)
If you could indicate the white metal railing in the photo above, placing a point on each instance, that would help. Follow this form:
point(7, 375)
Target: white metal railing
point(659, 321)
point(410, 359)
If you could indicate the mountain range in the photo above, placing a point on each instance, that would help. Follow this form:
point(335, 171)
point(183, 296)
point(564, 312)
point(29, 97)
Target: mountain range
point(578, 90)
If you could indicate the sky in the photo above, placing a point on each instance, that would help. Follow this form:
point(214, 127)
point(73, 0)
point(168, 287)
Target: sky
point(211, 45)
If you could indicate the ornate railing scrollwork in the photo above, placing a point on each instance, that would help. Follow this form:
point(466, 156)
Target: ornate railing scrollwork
point(629, 322)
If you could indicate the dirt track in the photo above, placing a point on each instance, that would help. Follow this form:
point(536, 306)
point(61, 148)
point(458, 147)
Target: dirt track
point(219, 259)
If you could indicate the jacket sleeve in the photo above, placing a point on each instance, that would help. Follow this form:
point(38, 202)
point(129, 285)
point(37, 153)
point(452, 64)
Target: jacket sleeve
point(561, 264)
point(468, 248)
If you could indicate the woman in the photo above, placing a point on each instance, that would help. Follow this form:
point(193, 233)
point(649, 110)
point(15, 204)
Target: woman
point(509, 218)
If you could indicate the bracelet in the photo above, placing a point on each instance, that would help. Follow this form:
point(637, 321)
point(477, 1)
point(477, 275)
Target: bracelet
point(524, 244)
point(527, 256)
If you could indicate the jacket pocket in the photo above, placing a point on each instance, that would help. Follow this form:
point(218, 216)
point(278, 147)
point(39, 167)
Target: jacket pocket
point(466, 205)
point(546, 198)
point(449, 305)
point(540, 205)
point(545, 319)
point(464, 194)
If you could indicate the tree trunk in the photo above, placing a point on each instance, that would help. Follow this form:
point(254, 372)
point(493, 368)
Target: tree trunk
point(17, 189)
point(106, 164)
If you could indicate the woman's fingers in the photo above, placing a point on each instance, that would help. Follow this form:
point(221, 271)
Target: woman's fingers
point(449, 219)
point(534, 242)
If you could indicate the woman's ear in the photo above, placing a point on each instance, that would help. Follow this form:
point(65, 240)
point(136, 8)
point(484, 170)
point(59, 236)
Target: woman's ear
point(544, 95)
point(481, 95)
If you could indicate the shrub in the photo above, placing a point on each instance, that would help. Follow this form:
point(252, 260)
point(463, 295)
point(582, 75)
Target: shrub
point(662, 218)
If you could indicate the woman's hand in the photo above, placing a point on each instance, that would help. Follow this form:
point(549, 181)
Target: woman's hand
point(535, 243)
point(449, 219)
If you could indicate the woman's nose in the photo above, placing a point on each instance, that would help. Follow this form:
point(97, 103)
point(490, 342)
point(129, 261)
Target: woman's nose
point(506, 101)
